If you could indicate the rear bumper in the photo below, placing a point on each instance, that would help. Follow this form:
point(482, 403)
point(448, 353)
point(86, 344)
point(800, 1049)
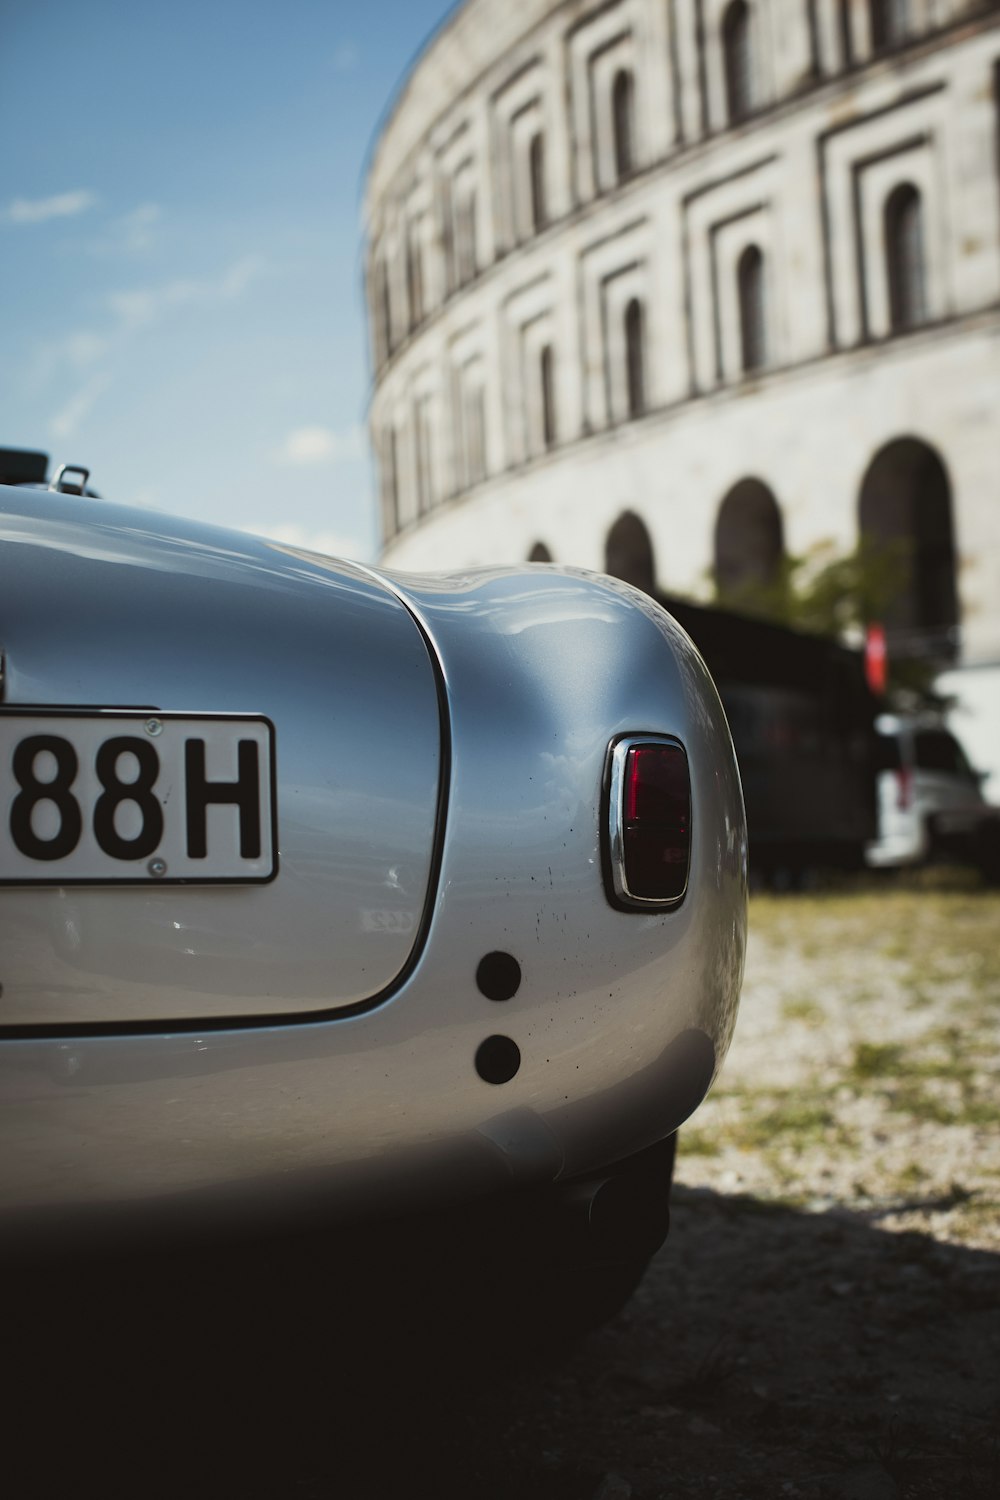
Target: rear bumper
point(106, 1136)
point(618, 1211)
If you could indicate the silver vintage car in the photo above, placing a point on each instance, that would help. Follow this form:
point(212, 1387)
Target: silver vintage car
point(329, 893)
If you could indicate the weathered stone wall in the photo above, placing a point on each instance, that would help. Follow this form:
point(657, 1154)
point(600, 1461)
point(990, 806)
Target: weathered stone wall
point(472, 469)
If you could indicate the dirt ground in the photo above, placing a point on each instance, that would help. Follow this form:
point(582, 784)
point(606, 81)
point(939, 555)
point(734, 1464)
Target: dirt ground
point(823, 1322)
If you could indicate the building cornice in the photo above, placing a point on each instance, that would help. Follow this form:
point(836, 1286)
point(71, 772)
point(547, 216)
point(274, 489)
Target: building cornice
point(583, 445)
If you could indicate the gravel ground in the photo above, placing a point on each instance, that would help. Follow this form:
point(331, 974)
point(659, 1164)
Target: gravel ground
point(865, 1071)
point(823, 1322)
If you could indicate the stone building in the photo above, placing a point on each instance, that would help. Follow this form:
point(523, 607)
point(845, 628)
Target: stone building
point(671, 287)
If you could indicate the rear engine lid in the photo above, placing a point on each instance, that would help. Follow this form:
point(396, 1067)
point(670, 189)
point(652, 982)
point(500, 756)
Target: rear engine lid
point(112, 621)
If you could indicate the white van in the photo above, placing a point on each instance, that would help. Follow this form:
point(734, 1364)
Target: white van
point(930, 800)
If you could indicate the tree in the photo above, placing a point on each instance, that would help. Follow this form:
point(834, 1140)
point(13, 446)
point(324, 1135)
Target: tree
point(839, 595)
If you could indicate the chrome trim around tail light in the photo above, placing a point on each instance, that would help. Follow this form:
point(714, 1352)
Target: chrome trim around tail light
point(615, 825)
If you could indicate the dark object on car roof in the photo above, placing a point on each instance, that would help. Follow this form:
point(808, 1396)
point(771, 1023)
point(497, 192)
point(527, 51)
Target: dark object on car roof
point(23, 466)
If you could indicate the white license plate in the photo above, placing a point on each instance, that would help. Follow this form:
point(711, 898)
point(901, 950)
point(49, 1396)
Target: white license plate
point(112, 797)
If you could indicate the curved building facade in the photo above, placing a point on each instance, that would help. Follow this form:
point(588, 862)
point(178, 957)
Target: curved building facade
point(674, 287)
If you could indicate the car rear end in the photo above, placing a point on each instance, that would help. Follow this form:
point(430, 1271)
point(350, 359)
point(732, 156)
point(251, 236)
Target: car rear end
point(440, 971)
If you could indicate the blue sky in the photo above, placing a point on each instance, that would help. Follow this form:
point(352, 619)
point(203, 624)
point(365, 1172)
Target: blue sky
point(180, 248)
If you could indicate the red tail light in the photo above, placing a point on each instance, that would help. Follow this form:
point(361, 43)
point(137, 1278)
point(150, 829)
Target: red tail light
point(649, 821)
point(904, 788)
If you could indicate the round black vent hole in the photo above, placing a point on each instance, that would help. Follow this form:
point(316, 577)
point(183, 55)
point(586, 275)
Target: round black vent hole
point(497, 1059)
point(498, 976)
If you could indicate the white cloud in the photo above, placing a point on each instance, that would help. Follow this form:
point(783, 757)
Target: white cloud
point(131, 234)
point(132, 312)
point(292, 534)
point(60, 206)
point(239, 276)
point(77, 351)
point(308, 447)
point(84, 348)
point(67, 420)
point(138, 307)
point(137, 226)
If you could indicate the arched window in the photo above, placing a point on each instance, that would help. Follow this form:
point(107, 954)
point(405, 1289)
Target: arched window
point(905, 509)
point(628, 553)
point(465, 236)
point(753, 312)
point(390, 481)
point(384, 309)
point(414, 276)
point(904, 258)
point(536, 169)
point(475, 430)
point(635, 367)
point(812, 21)
point(749, 540)
point(887, 19)
point(621, 116)
point(446, 208)
point(844, 29)
point(548, 397)
point(737, 51)
point(540, 553)
point(422, 456)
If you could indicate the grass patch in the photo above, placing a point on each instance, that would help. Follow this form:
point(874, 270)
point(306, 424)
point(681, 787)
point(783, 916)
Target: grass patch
point(939, 934)
point(912, 1098)
point(806, 1120)
point(914, 1080)
point(694, 1142)
point(876, 1060)
point(911, 1179)
point(921, 1104)
point(801, 1009)
point(797, 1119)
point(980, 1112)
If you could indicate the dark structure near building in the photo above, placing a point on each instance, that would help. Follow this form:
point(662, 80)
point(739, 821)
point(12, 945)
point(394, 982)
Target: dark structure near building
point(803, 725)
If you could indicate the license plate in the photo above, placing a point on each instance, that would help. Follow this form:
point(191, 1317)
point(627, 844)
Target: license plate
point(112, 797)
